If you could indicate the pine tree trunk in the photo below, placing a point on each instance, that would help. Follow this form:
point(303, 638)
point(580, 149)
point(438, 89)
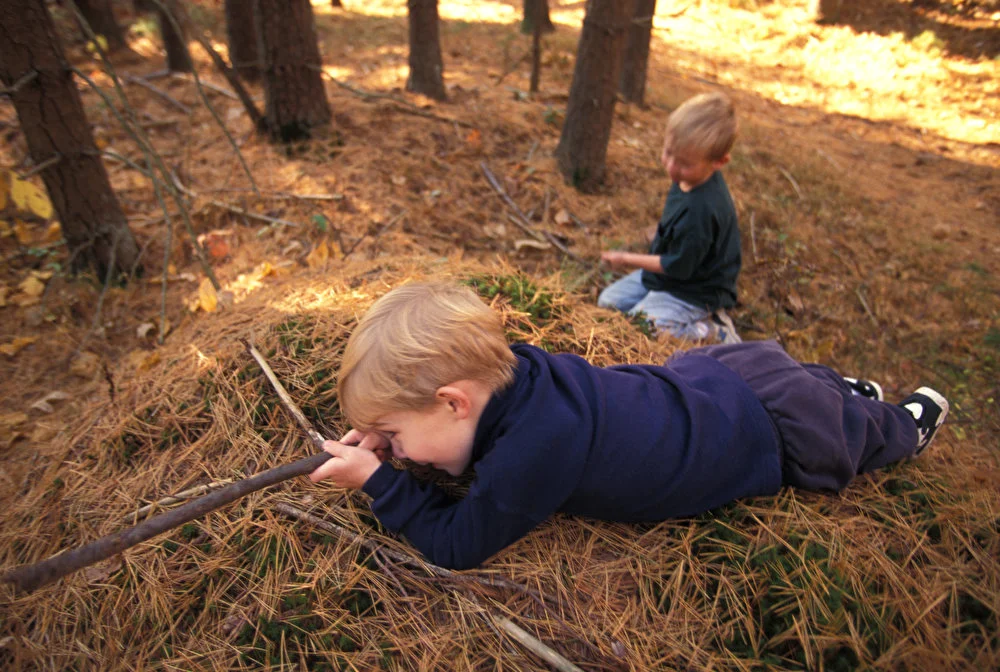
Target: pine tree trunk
point(293, 85)
point(583, 145)
point(827, 11)
point(242, 36)
point(336, 3)
point(174, 42)
point(539, 9)
point(636, 61)
point(54, 125)
point(426, 66)
point(102, 21)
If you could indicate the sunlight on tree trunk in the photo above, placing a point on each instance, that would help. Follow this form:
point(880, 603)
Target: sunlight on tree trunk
point(636, 60)
point(426, 66)
point(583, 145)
point(54, 124)
point(293, 85)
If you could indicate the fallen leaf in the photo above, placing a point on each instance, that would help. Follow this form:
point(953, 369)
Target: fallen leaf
point(15, 346)
point(563, 218)
point(398, 180)
point(30, 198)
point(207, 298)
point(11, 420)
point(102, 571)
point(46, 430)
point(24, 300)
point(474, 138)
point(4, 291)
point(53, 233)
point(45, 404)
point(795, 303)
point(6, 230)
point(4, 188)
point(143, 329)
point(534, 244)
point(142, 360)
point(319, 255)
point(23, 232)
point(85, 365)
point(32, 286)
point(216, 245)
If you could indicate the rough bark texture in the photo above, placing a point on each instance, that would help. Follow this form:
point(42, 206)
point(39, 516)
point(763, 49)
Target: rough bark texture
point(178, 58)
point(536, 11)
point(293, 85)
point(241, 34)
point(633, 81)
point(583, 145)
point(102, 21)
point(426, 66)
point(53, 122)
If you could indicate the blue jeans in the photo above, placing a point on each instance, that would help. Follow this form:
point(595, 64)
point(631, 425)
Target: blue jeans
point(668, 313)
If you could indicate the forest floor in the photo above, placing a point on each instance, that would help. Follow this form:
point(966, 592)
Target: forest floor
point(867, 185)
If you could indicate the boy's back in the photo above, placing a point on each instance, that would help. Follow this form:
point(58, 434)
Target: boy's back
point(698, 241)
point(627, 443)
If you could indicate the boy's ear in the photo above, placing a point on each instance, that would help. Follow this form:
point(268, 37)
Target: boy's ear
point(719, 163)
point(456, 398)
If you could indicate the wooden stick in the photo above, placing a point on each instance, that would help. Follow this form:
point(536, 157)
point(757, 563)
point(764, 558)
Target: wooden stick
point(132, 79)
point(541, 650)
point(290, 405)
point(173, 499)
point(28, 578)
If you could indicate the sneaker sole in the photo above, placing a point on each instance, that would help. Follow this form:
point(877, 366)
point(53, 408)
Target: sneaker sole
point(937, 399)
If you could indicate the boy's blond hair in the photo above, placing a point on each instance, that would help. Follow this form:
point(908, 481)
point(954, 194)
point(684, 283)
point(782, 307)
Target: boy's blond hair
point(705, 123)
point(414, 340)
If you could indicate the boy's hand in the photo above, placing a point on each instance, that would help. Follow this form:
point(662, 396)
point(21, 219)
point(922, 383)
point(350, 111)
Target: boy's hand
point(349, 467)
point(377, 443)
point(614, 258)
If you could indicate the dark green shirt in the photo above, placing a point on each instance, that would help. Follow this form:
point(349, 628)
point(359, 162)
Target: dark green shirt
point(698, 241)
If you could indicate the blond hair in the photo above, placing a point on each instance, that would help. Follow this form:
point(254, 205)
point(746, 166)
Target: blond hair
point(414, 340)
point(705, 123)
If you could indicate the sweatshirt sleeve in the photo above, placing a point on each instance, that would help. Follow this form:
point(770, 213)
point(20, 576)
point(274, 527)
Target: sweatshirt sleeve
point(689, 243)
point(456, 534)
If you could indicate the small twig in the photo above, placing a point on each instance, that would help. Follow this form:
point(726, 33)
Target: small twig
point(753, 236)
point(173, 499)
point(391, 223)
point(208, 85)
point(22, 81)
point(522, 221)
point(864, 304)
point(51, 161)
point(290, 405)
point(541, 650)
point(232, 208)
point(791, 179)
point(132, 79)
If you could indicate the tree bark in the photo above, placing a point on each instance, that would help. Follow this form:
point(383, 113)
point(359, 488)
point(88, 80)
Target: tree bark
point(583, 145)
point(102, 21)
point(336, 3)
point(241, 34)
point(54, 124)
point(426, 66)
point(636, 60)
point(175, 44)
point(293, 85)
point(536, 12)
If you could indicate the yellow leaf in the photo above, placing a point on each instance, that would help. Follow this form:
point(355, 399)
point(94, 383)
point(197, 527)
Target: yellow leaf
point(85, 365)
point(15, 346)
point(53, 233)
point(6, 230)
point(24, 300)
point(10, 420)
point(319, 255)
point(32, 286)
point(207, 298)
point(141, 360)
point(23, 232)
point(265, 269)
point(4, 291)
point(27, 196)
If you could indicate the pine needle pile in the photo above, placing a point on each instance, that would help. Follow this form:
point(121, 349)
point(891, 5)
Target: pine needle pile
point(900, 570)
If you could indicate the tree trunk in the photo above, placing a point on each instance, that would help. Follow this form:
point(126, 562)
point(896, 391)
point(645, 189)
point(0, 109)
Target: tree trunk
point(178, 57)
point(336, 3)
point(633, 81)
point(102, 21)
point(827, 11)
point(54, 125)
point(426, 66)
point(583, 145)
point(293, 85)
point(536, 46)
point(242, 36)
point(536, 12)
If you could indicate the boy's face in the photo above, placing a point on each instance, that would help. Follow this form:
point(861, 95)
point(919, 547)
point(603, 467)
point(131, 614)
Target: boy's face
point(688, 167)
point(441, 436)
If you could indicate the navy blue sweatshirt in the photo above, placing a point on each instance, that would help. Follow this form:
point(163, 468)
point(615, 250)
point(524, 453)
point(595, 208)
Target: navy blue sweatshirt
point(627, 443)
point(698, 241)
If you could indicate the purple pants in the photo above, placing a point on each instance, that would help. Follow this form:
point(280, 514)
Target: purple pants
point(828, 435)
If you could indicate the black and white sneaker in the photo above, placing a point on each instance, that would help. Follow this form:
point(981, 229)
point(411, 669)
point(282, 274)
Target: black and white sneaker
point(725, 330)
point(929, 409)
point(865, 388)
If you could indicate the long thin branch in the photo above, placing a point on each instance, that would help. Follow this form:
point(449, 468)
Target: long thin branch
point(522, 220)
point(132, 79)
